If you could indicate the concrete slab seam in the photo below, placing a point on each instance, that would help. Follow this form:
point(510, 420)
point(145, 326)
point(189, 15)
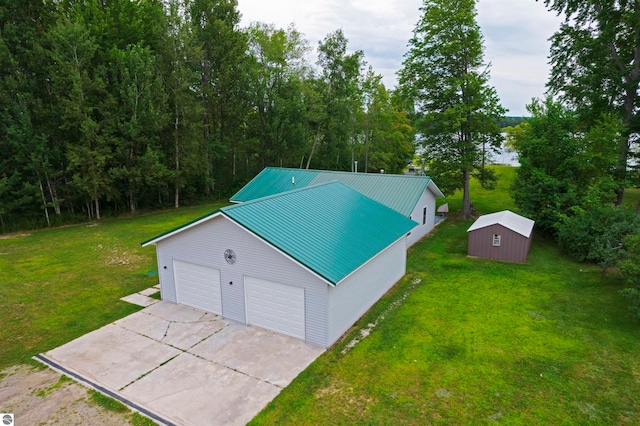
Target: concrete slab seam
point(148, 372)
point(203, 339)
point(166, 331)
point(105, 391)
point(180, 322)
point(235, 370)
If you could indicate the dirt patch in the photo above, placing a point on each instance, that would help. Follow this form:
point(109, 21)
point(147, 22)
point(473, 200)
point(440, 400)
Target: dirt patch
point(44, 397)
point(118, 256)
point(9, 236)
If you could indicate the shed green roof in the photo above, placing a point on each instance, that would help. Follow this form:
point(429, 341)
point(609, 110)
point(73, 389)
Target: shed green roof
point(399, 192)
point(330, 228)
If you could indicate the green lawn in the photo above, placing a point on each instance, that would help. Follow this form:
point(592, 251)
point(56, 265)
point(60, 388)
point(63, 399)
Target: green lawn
point(479, 342)
point(58, 284)
point(487, 201)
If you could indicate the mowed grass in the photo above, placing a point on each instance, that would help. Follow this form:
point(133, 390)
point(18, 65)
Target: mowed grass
point(58, 284)
point(472, 341)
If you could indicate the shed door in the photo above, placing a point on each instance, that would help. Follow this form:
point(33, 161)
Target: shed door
point(198, 286)
point(274, 306)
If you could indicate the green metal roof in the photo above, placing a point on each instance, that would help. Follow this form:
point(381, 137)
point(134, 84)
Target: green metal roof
point(273, 181)
point(398, 192)
point(330, 228)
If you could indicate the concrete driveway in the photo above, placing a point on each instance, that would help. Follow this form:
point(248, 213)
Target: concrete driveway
point(184, 366)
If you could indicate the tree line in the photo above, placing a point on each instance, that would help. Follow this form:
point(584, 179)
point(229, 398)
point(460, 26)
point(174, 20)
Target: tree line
point(122, 105)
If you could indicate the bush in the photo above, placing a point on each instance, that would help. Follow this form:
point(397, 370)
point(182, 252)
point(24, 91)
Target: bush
point(633, 297)
point(630, 268)
point(598, 234)
point(630, 265)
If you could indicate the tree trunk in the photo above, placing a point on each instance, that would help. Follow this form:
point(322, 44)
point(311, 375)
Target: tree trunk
point(483, 159)
point(313, 148)
point(53, 193)
point(176, 196)
point(97, 208)
point(466, 198)
point(44, 203)
point(176, 141)
point(132, 201)
point(367, 139)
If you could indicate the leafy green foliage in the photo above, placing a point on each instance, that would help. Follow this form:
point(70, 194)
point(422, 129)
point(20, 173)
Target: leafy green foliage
point(598, 234)
point(629, 266)
point(114, 105)
point(445, 79)
point(596, 66)
point(563, 170)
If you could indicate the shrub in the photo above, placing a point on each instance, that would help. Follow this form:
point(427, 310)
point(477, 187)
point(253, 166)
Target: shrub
point(598, 234)
point(630, 268)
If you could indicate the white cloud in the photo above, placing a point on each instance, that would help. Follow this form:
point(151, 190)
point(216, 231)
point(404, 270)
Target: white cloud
point(516, 36)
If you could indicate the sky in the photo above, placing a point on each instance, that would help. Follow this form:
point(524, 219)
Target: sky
point(516, 34)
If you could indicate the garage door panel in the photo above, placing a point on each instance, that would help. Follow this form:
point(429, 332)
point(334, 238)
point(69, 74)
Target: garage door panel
point(275, 306)
point(198, 286)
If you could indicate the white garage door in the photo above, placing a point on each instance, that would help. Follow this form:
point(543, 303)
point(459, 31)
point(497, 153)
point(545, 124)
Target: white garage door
point(198, 286)
point(275, 306)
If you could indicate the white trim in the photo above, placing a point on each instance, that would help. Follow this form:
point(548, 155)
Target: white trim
point(436, 191)
point(183, 228)
point(507, 219)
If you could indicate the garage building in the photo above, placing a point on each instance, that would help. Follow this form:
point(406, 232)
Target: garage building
point(306, 263)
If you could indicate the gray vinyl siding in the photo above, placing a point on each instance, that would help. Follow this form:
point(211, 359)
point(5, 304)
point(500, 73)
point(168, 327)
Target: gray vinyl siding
point(427, 199)
point(353, 297)
point(513, 247)
point(204, 244)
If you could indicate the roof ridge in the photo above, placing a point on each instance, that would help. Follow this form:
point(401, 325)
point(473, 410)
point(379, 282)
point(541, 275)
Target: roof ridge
point(350, 173)
point(284, 193)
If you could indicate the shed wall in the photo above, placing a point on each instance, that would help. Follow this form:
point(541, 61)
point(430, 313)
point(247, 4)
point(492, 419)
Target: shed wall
point(205, 244)
point(513, 247)
point(427, 199)
point(351, 298)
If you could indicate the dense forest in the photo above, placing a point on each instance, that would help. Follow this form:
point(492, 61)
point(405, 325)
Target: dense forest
point(118, 105)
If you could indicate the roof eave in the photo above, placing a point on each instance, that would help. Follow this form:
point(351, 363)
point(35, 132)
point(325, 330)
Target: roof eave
point(181, 228)
point(370, 260)
point(434, 188)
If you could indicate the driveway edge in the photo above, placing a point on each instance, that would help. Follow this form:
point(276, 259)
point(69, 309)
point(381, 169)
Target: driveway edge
point(77, 377)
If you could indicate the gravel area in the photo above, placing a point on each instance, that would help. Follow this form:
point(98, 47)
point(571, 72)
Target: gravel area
point(44, 397)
